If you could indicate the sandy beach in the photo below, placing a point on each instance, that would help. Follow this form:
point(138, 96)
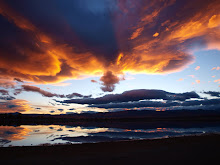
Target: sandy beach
point(200, 149)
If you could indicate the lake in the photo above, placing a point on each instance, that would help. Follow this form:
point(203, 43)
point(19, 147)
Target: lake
point(32, 135)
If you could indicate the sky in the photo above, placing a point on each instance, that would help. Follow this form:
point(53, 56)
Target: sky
point(63, 57)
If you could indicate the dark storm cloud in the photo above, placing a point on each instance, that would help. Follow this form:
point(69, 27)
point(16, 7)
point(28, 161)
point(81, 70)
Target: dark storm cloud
point(213, 93)
point(201, 103)
point(144, 98)
point(84, 23)
point(135, 104)
point(78, 26)
point(51, 41)
point(135, 95)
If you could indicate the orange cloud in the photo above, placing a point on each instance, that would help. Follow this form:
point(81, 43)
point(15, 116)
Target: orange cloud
point(198, 81)
point(44, 61)
point(216, 68)
point(156, 34)
point(217, 81)
point(137, 33)
point(12, 106)
point(214, 21)
point(38, 55)
point(181, 79)
point(197, 68)
point(158, 55)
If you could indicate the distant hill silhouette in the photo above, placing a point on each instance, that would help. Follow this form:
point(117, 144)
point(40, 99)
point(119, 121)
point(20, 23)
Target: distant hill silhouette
point(131, 116)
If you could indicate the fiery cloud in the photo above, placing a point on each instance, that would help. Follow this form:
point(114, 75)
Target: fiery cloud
point(151, 37)
point(16, 105)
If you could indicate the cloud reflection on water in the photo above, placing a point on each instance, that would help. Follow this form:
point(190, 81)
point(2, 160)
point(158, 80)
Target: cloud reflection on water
point(27, 135)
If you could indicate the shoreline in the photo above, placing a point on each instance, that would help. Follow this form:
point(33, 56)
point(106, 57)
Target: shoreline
point(195, 149)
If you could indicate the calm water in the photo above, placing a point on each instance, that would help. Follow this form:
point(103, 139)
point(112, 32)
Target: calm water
point(28, 135)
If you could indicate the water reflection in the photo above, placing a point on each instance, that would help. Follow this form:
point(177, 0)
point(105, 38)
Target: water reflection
point(27, 135)
point(10, 133)
point(13, 133)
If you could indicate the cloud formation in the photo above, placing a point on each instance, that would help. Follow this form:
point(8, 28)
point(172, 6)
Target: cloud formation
point(150, 99)
point(135, 95)
point(7, 83)
point(29, 88)
point(18, 80)
point(4, 95)
point(15, 105)
point(217, 81)
point(216, 68)
point(93, 81)
point(198, 81)
point(213, 93)
point(181, 79)
point(92, 38)
point(3, 92)
point(197, 68)
point(109, 80)
point(155, 104)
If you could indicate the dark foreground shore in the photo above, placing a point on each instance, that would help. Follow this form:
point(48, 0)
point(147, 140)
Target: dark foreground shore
point(203, 149)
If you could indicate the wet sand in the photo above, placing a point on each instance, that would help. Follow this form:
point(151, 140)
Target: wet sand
point(203, 149)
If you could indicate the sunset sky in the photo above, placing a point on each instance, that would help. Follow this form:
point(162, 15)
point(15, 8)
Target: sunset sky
point(62, 57)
